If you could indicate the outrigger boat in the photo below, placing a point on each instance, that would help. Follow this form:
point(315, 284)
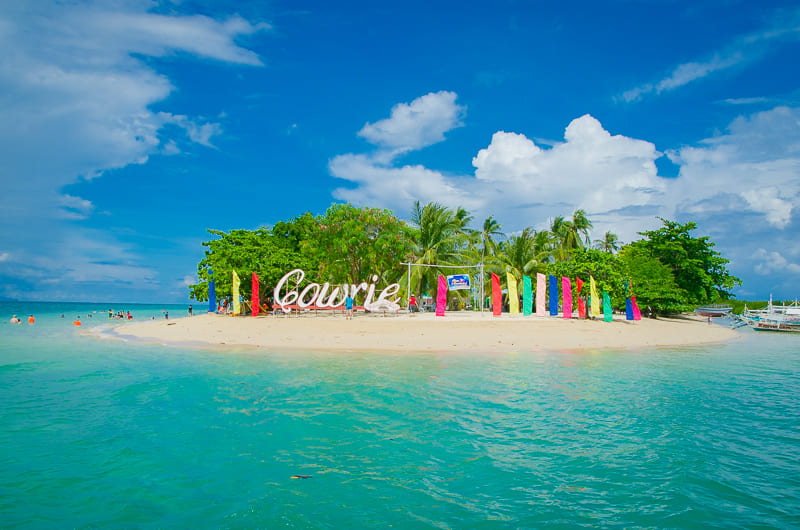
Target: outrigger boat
point(773, 318)
point(714, 310)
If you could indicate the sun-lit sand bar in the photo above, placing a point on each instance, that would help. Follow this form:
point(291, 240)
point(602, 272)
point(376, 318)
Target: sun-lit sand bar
point(455, 332)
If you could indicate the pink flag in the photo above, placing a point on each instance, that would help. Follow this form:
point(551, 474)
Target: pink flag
point(566, 290)
point(497, 296)
point(254, 301)
point(540, 294)
point(581, 303)
point(637, 315)
point(441, 296)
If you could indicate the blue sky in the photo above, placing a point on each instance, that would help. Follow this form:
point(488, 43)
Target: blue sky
point(128, 127)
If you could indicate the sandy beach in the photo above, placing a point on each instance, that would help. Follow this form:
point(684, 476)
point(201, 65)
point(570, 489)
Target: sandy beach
point(455, 332)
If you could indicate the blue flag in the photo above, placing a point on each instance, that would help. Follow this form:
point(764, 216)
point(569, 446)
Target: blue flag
point(212, 296)
point(553, 295)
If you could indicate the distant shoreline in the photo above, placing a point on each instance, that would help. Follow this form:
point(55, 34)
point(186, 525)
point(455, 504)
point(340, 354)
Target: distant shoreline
point(455, 332)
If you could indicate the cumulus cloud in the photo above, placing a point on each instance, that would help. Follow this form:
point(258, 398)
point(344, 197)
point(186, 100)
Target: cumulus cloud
point(415, 125)
point(752, 167)
point(772, 262)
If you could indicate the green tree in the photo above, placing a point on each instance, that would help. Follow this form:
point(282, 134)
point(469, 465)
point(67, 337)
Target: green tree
point(351, 244)
point(699, 270)
point(651, 281)
point(440, 236)
point(604, 267)
point(491, 229)
point(570, 235)
point(609, 243)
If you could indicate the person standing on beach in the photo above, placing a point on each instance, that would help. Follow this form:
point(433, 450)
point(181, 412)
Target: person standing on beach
point(348, 306)
point(190, 310)
point(412, 304)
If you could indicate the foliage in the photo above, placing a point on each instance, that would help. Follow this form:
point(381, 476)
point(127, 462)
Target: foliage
point(609, 243)
point(351, 244)
point(651, 281)
point(698, 270)
point(603, 266)
point(570, 235)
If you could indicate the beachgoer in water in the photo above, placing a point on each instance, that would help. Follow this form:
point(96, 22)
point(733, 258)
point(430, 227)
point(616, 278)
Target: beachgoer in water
point(30, 319)
point(77, 320)
point(129, 316)
point(166, 315)
point(15, 320)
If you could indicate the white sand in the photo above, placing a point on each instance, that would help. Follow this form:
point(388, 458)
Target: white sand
point(455, 332)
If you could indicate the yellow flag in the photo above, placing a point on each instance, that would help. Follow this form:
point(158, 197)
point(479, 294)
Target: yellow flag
point(237, 306)
point(595, 306)
point(513, 297)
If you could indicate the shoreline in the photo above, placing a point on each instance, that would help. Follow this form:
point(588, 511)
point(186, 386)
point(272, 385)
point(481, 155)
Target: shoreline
point(422, 333)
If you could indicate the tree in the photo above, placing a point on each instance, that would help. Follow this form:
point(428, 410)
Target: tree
point(602, 266)
point(352, 244)
point(609, 243)
point(570, 235)
point(491, 228)
point(440, 235)
point(651, 281)
point(699, 271)
point(247, 251)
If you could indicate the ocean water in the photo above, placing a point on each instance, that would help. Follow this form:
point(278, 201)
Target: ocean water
point(111, 434)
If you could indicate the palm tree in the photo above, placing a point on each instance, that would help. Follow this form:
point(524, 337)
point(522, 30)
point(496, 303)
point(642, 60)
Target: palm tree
point(491, 228)
point(610, 243)
point(570, 235)
point(439, 237)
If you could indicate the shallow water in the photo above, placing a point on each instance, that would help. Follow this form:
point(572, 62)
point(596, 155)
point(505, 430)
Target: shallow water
point(105, 433)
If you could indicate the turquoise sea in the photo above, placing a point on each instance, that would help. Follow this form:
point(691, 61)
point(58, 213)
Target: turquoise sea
point(111, 434)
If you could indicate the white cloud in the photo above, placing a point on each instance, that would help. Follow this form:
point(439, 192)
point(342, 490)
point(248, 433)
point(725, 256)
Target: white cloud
point(415, 125)
point(745, 49)
point(4, 256)
point(774, 263)
point(755, 164)
point(77, 98)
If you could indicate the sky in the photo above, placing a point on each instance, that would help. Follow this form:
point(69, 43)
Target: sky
point(130, 127)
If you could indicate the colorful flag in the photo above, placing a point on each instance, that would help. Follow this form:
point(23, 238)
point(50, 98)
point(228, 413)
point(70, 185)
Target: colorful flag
point(513, 296)
point(497, 296)
point(254, 301)
point(441, 296)
point(594, 301)
point(237, 306)
point(540, 294)
point(553, 296)
point(581, 303)
point(628, 305)
point(637, 315)
point(212, 294)
point(527, 296)
point(607, 316)
point(566, 295)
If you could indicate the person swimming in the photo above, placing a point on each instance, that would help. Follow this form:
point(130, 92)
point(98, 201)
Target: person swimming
point(15, 320)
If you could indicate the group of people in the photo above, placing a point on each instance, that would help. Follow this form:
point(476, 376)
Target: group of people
point(15, 320)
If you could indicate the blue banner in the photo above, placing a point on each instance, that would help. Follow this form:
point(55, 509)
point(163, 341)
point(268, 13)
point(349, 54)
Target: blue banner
point(212, 296)
point(553, 295)
point(456, 282)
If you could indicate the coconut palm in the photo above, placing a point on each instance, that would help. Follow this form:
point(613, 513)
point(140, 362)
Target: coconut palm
point(610, 243)
point(491, 228)
point(569, 235)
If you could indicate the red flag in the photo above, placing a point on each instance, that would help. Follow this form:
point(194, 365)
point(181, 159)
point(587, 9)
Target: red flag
point(497, 295)
point(441, 296)
point(581, 303)
point(254, 301)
